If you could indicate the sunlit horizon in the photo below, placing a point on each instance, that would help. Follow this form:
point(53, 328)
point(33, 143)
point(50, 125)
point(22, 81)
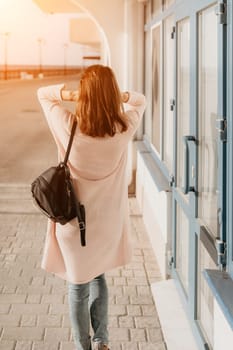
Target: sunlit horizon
point(30, 37)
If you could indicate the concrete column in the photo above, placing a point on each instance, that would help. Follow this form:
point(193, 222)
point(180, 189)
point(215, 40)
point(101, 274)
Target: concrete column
point(109, 16)
point(134, 26)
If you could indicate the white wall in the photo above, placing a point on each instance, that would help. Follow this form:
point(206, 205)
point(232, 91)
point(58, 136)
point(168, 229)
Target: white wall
point(121, 22)
point(223, 334)
point(155, 205)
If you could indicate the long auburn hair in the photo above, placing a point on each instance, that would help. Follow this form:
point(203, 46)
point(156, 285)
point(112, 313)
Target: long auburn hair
point(99, 107)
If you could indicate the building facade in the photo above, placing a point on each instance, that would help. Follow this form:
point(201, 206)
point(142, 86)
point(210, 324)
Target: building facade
point(184, 162)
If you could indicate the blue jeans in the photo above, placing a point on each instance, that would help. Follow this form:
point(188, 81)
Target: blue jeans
point(87, 302)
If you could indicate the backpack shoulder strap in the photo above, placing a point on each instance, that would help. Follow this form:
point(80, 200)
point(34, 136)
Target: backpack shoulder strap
point(70, 141)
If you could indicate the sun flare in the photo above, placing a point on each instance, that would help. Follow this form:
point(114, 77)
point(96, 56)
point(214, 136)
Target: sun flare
point(27, 33)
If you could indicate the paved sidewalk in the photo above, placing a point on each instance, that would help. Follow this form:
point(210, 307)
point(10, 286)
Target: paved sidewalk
point(33, 304)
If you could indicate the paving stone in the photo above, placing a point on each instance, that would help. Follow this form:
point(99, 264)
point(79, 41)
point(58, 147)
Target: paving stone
point(10, 257)
point(66, 321)
point(23, 345)
point(34, 290)
point(152, 346)
point(117, 310)
point(56, 334)
point(137, 281)
point(119, 281)
point(29, 309)
point(4, 308)
point(147, 310)
point(138, 251)
point(115, 290)
point(9, 289)
point(52, 299)
point(130, 346)
point(140, 273)
point(141, 300)
point(137, 335)
point(121, 334)
point(124, 300)
point(53, 345)
point(37, 281)
point(59, 289)
point(113, 273)
point(111, 299)
point(33, 299)
point(146, 322)
point(134, 310)
point(49, 320)
point(143, 290)
point(7, 345)
point(28, 321)
point(126, 322)
point(113, 321)
point(12, 298)
point(130, 290)
point(139, 258)
point(134, 265)
point(23, 333)
point(153, 273)
point(151, 266)
point(54, 281)
point(127, 273)
point(113, 345)
point(59, 309)
point(64, 346)
point(9, 320)
point(34, 304)
point(154, 335)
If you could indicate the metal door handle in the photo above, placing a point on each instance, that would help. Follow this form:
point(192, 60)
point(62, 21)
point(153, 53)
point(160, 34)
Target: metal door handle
point(186, 187)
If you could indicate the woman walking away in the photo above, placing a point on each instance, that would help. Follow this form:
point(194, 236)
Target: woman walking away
point(97, 162)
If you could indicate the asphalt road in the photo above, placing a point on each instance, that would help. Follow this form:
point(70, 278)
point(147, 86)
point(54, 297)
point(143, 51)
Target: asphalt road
point(26, 145)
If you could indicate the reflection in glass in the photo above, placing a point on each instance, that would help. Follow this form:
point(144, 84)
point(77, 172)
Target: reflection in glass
point(156, 87)
point(208, 95)
point(148, 11)
point(168, 91)
point(205, 296)
point(182, 247)
point(183, 84)
point(157, 6)
point(208, 161)
point(148, 89)
point(168, 3)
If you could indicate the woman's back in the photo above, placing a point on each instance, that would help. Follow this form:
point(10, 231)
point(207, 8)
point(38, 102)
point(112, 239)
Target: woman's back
point(98, 167)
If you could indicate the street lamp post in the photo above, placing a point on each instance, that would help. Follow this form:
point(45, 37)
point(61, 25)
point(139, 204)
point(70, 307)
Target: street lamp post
point(65, 46)
point(40, 43)
point(6, 36)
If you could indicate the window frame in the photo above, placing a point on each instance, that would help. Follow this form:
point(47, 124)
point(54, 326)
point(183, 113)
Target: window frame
point(159, 153)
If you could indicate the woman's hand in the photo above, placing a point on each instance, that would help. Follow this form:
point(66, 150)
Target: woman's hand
point(125, 96)
point(69, 95)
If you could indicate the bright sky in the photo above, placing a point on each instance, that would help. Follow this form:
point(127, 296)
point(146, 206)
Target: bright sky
point(26, 23)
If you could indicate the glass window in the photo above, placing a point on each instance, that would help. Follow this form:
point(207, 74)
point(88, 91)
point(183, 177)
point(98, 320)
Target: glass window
point(183, 103)
point(208, 96)
point(148, 86)
point(168, 92)
point(148, 12)
point(156, 87)
point(182, 246)
point(205, 295)
point(157, 6)
point(168, 3)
